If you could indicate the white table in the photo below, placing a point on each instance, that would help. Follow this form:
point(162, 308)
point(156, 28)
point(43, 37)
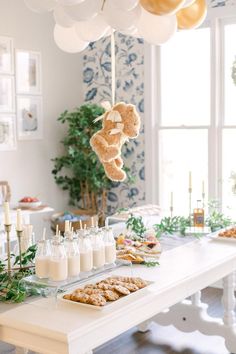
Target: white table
point(184, 271)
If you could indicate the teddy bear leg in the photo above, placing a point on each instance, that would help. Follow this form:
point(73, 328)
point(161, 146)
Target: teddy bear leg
point(102, 149)
point(119, 162)
point(113, 172)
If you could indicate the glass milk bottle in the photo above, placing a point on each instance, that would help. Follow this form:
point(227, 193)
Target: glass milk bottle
point(86, 253)
point(73, 257)
point(110, 245)
point(98, 250)
point(42, 259)
point(58, 264)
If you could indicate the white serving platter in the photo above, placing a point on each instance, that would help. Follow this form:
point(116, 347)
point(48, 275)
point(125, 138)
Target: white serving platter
point(109, 304)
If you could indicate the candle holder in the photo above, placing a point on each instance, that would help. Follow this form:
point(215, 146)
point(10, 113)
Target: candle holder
point(8, 230)
point(190, 205)
point(19, 236)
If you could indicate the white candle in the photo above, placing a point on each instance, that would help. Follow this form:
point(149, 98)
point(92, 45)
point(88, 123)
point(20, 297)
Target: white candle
point(18, 220)
point(67, 226)
point(171, 199)
point(190, 180)
point(203, 187)
point(7, 220)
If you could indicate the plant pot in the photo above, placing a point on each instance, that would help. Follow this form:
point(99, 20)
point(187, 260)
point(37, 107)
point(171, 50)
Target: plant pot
point(92, 219)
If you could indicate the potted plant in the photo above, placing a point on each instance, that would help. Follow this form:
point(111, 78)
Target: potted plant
point(78, 170)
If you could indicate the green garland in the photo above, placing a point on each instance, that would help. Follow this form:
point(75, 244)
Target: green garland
point(12, 289)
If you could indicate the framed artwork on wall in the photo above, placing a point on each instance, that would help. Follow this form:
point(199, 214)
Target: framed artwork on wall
point(28, 72)
point(29, 117)
point(7, 132)
point(6, 55)
point(7, 94)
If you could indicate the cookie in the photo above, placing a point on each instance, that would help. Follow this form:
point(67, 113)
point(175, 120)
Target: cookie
point(121, 290)
point(131, 287)
point(67, 296)
point(97, 300)
point(111, 295)
point(82, 297)
point(91, 291)
point(104, 286)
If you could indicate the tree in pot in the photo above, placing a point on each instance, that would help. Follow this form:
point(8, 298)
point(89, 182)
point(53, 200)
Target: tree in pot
point(78, 170)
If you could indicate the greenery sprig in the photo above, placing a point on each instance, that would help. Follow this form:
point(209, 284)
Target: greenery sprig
point(136, 225)
point(172, 225)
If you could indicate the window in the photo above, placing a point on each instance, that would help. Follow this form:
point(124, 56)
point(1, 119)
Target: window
point(197, 117)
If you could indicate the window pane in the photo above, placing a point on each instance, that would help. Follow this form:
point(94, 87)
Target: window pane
point(229, 81)
point(185, 79)
point(182, 151)
point(228, 170)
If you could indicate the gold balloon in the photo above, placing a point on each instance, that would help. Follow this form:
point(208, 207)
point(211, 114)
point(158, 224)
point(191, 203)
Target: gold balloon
point(161, 7)
point(192, 16)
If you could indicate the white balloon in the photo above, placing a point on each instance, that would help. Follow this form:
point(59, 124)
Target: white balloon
point(187, 3)
point(69, 2)
point(41, 5)
point(85, 10)
point(120, 19)
point(156, 29)
point(130, 31)
point(123, 4)
point(67, 39)
point(61, 18)
point(93, 29)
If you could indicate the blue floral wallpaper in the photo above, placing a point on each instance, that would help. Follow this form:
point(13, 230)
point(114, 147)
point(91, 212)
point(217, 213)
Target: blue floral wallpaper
point(130, 89)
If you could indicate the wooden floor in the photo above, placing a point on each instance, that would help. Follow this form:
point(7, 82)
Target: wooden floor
point(163, 340)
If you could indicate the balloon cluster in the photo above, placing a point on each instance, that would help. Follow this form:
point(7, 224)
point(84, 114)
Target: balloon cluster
point(79, 22)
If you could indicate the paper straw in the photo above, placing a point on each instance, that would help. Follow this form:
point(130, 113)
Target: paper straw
point(80, 224)
point(57, 229)
point(92, 221)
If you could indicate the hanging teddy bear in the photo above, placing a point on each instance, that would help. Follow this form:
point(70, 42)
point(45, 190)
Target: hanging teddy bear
point(119, 124)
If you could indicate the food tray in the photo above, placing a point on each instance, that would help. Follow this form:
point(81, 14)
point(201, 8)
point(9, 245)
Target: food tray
point(108, 305)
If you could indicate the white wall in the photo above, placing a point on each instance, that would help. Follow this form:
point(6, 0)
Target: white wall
point(28, 169)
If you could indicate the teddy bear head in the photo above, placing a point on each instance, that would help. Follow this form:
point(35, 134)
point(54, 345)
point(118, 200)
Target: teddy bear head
point(126, 120)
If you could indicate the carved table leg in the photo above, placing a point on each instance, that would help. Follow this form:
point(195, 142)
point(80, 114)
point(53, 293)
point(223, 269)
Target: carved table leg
point(228, 300)
point(144, 326)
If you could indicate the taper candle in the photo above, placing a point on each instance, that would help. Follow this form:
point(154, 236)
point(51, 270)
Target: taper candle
point(203, 187)
point(171, 199)
point(7, 220)
point(190, 180)
point(18, 220)
point(67, 226)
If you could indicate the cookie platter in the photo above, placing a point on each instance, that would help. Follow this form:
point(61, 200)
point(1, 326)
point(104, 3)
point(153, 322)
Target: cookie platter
point(105, 292)
point(227, 235)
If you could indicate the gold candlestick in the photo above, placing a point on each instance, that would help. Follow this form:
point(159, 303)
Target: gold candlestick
point(19, 235)
point(190, 204)
point(8, 230)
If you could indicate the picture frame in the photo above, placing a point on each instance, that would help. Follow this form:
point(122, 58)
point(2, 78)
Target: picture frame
point(28, 72)
point(6, 55)
point(29, 117)
point(7, 132)
point(7, 94)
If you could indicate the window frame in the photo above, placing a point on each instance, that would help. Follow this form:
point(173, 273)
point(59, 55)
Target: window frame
point(216, 20)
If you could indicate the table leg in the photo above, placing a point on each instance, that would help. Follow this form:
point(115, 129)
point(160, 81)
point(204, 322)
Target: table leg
point(228, 300)
point(144, 326)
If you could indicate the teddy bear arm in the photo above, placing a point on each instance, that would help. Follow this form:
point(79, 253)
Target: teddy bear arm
point(104, 151)
point(119, 162)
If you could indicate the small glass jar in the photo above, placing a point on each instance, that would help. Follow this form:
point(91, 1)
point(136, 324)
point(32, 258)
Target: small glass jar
point(110, 245)
point(86, 253)
point(42, 259)
point(73, 257)
point(98, 250)
point(58, 264)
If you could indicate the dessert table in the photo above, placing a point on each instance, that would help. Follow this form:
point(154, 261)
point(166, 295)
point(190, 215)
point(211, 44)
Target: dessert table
point(50, 327)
